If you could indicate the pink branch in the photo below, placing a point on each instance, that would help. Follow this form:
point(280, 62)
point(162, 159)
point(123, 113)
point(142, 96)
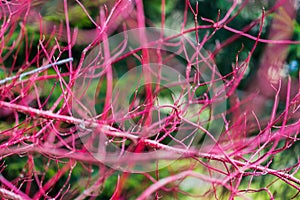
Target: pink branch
point(171, 179)
point(15, 192)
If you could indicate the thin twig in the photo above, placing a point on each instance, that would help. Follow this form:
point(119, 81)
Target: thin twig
point(38, 70)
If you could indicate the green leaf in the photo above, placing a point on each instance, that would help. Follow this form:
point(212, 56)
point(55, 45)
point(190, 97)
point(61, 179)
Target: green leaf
point(2, 74)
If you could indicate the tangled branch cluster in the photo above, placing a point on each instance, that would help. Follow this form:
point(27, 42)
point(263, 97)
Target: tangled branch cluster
point(66, 134)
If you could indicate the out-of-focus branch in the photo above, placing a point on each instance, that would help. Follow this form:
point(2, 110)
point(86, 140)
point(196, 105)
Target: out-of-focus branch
point(272, 63)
